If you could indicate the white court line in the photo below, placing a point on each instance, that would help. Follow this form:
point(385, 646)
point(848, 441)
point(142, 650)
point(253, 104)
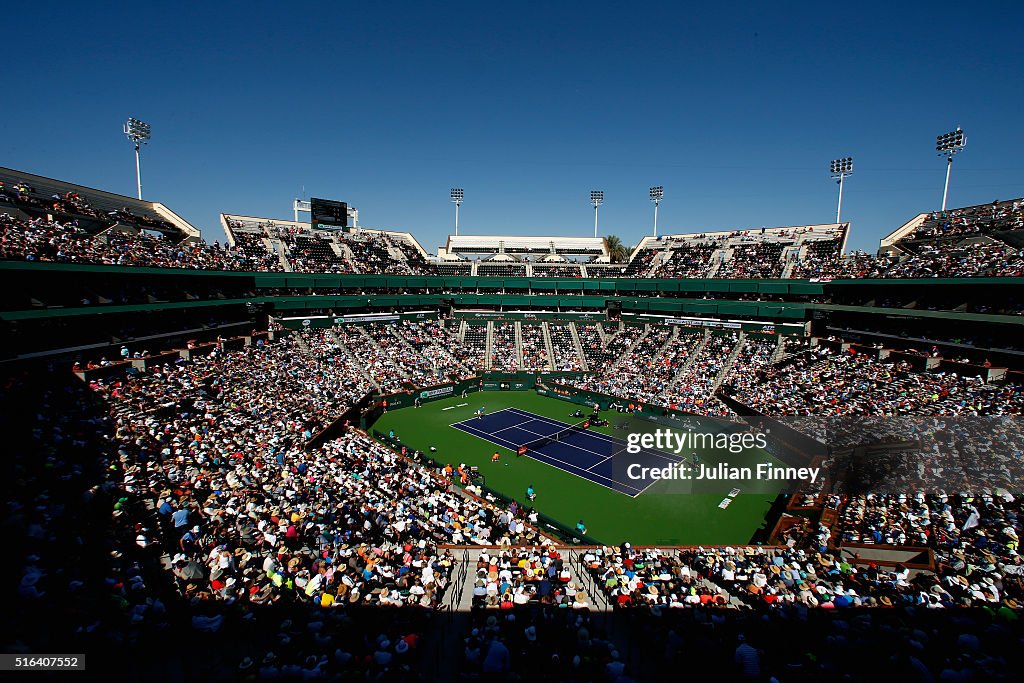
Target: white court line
point(500, 441)
point(533, 417)
point(541, 418)
point(475, 419)
point(519, 426)
point(600, 436)
point(570, 445)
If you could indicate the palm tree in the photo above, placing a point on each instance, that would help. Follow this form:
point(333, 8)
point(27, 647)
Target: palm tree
point(618, 251)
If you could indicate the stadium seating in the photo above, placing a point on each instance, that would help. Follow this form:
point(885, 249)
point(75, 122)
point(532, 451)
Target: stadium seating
point(43, 240)
point(92, 210)
point(693, 389)
point(455, 269)
point(474, 346)
point(503, 348)
point(557, 270)
point(501, 270)
point(566, 356)
point(758, 260)
point(236, 495)
point(229, 481)
point(688, 260)
point(985, 219)
point(57, 221)
point(824, 381)
point(315, 254)
point(534, 349)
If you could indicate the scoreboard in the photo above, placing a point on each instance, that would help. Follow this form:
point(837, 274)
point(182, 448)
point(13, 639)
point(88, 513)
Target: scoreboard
point(327, 213)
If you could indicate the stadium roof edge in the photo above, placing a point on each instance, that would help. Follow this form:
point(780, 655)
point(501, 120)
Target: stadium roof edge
point(159, 208)
point(307, 225)
point(721, 233)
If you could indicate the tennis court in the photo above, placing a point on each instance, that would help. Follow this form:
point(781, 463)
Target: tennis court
point(586, 454)
point(668, 513)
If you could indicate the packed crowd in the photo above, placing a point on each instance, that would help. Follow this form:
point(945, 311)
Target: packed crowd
point(435, 345)
point(755, 353)
point(473, 349)
point(688, 260)
point(566, 359)
point(976, 538)
point(248, 512)
point(504, 357)
point(74, 205)
point(693, 389)
point(382, 358)
point(535, 352)
point(522, 576)
point(644, 371)
point(1005, 216)
point(753, 260)
point(970, 260)
point(40, 239)
point(750, 577)
point(557, 270)
point(929, 261)
point(823, 381)
point(210, 465)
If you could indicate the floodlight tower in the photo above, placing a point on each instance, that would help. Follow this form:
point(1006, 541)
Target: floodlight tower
point(947, 145)
point(139, 133)
point(840, 168)
point(596, 198)
point(657, 194)
point(457, 196)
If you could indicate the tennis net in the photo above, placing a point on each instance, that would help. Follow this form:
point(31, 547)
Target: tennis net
point(543, 441)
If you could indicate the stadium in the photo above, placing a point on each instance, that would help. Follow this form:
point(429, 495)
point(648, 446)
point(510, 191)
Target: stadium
point(255, 447)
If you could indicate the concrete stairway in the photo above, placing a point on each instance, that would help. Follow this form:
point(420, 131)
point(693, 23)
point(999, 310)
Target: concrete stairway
point(487, 346)
point(301, 343)
point(672, 339)
point(518, 332)
point(629, 351)
point(727, 366)
point(718, 257)
point(689, 361)
point(362, 366)
point(579, 347)
point(546, 333)
point(780, 350)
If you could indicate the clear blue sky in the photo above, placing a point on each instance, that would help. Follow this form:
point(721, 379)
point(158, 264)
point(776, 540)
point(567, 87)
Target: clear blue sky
point(736, 110)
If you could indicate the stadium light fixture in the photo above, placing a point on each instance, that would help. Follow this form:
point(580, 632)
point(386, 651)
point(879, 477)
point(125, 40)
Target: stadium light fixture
point(457, 196)
point(840, 168)
point(596, 198)
point(947, 145)
point(139, 133)
point(657, 194)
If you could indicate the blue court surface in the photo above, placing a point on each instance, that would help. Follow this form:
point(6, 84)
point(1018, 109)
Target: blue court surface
point(586, 454)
